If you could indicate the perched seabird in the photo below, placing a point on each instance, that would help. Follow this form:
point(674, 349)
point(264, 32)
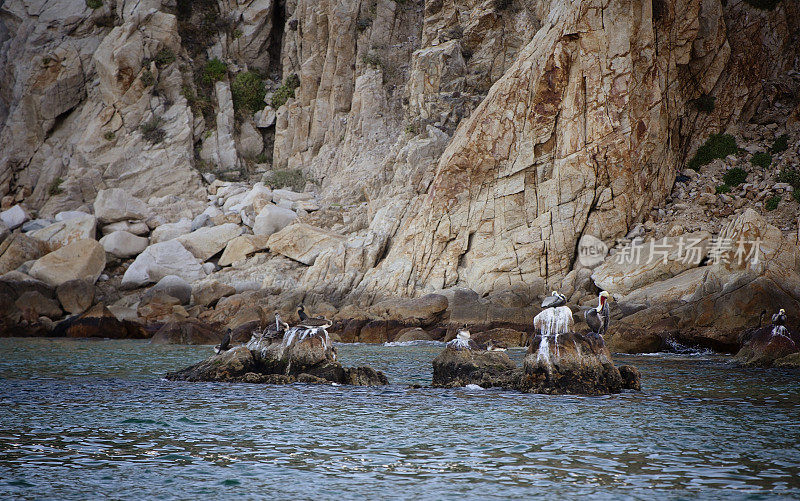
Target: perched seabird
point(598, 318)
point(312, 322)
point(554, 300)
point(225, 345)
point(779, 318)
point(277, 330)
point(463, 341)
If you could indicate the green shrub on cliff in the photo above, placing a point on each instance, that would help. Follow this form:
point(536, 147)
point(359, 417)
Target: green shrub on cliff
point(94, 4)
point(248, 92)
point(285, 91)
point(723, 188)
point(781, 144)
point(772, 203)
point(292, 179)
point(214, 71)
point(735, 176)
point(761, 159)
point(705, 103)
point(717, 146)
point(791, 176)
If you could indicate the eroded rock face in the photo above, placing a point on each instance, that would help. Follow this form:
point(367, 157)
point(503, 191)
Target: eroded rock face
point(81, 259)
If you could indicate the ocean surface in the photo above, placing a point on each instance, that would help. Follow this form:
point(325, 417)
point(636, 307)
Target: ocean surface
point(93, 419)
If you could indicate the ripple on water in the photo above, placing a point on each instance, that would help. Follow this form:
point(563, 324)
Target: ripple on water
point(701, 427)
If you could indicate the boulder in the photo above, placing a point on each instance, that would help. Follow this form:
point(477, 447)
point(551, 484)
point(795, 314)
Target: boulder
point(201, 221)
point(82, 259)
point(289, 195)
point(137, 228)
point(643, 263)
point(241, 247)
point(765, 345)
point(250, 141)
point(570, 363)
point(76, 296)
point(160, 260)
point(188, 331)
point(98, 322)
point(38, 304)
point(453, 368)
point(70, 214)
point(510, 337)
point(30, 226)
point(57, 235)
point(122, 244)
point(303, 242)
point(174, 286)
point(17, 249)
point(206, 242)
point(413, 334)
point(271, 219)
point(116, 204)
point(160, 307)
point(423, 310)
point(14, 217)
point(171, 230)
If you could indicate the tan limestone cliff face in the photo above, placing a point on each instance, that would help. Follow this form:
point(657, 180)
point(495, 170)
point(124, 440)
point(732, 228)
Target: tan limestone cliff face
point(568, 141)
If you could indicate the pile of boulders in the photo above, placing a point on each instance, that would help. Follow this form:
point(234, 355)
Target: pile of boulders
point(129, 245)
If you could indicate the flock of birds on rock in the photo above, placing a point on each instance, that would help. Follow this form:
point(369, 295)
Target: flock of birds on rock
point(280, 330)
point(554, 319)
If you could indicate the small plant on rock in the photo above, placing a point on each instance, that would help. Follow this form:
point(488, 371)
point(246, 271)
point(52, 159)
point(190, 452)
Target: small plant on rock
point(94, 4)
point(214, 71)
point(152, 131)
point(796, 196)
point(261, 158)
point(292, 179)
point(723, 188)
point(717, 146)
point(109, 135)
point(781, 144)
point(772, 203)
point(248, 92)
point(735, 176)
point(164, 57)
point(761, 159)
point(148, 79)
point(790, 176)
point(372, 59)
point(55, 186)
point(285, 91)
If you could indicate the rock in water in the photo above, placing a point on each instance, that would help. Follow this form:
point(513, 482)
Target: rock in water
point(566, 364)
point(767, 345)
point(454, 367)
point(570, 363)
point(301, 351)
point(98, 322)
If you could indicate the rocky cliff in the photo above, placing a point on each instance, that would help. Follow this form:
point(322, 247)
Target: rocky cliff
point(441, 145)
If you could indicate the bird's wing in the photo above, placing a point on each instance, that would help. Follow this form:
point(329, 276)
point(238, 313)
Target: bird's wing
point(775, 318)
point(592, 319)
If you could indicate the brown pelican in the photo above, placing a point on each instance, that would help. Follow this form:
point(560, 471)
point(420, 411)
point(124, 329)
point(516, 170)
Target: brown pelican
point(779, 318)
point(598, 318)
point(277, 330)
point(463, 341)
point(554, 300)
point(312, 322)
point(225, 345)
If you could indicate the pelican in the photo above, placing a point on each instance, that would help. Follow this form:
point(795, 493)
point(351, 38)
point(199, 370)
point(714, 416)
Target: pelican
point(312, 322)
point(779, 318)
point(277, 330)
point(598, 318)
point(463, 340)
point(554, 300)
point(225, 344)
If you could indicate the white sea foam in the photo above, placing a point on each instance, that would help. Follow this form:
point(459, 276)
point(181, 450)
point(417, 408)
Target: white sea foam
point(473, 387)
point(419, 342)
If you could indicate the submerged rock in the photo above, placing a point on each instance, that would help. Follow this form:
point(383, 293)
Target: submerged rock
point(301, 354)
point(570, 363)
